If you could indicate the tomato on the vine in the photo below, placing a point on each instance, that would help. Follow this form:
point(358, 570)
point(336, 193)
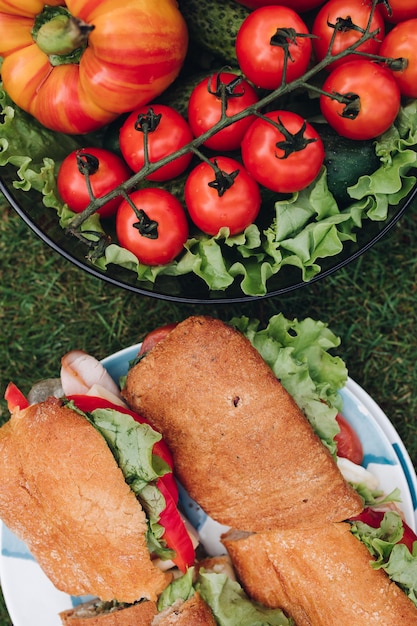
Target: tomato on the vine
point(205, 108)
point(152, 225)
point(399, 10)
point(339, 24)
point(401, 42)
point(166, 132)
point(371, 99)
point(222, 194)
point(273, 43)
point(105, 171)
point(282, 151)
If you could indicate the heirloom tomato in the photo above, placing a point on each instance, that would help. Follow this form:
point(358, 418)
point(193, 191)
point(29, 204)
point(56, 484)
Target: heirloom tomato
point(340, 24)
point(222, 194)
point(76, 65)
point(152, 225)
point(105, 171)
point(401, 42)
point(166, 132)
point(271, 41)
point(282, 151)
point(205, 108)
point(363, 101)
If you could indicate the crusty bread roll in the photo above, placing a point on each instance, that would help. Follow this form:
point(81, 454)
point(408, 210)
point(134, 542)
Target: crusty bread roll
point(192, 612)
point(242, 448)
point(62, 492)
point(139, 614)
point(319, 577)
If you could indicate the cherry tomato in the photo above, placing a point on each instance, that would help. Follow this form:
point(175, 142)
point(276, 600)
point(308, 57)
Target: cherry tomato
point(87, 404)
point(155, 336)
point(15, 398)
point(374, 518)
point(266, 38)
point(167, 131)
point(284, 155)
point(175, 534)
point(105, 170)
point(400, 10)
point(223, 197)
point(349, 19)
point(348, 443)
point(298, 5)
point(401, 42)
point(205, 108)
point(156, 230)
point(372, 99)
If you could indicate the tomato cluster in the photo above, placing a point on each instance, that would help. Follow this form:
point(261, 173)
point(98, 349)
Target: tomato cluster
point(235, 141)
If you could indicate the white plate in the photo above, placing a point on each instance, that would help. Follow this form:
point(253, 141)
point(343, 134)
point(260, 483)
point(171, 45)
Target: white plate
point(31, 598)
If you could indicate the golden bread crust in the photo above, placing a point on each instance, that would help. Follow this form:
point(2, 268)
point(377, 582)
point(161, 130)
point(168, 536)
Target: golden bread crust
point(140, 614)
point(193, 612)
point(59, 481)
point(242, 447)
point(318, 576)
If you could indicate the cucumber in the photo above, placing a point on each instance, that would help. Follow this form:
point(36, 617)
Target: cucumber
point(346, 161)
point(214, 24)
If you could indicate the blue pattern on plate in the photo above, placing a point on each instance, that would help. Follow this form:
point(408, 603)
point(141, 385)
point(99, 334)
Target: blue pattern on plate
point(408, 476)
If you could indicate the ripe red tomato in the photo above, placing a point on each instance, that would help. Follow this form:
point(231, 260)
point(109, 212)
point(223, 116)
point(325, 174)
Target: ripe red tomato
point(205, 108)
point(154, 337)
point(266, 37)
point(15, 398)
point(225, 197)
point(401, 42)
point(156, 229)
point(167, 132)
point(349, 445)
point(400, 10)
point(284, 155)
point(298, 5)
point(373, 99)
point(349, 18)
point(107, 172)
point(374, 518)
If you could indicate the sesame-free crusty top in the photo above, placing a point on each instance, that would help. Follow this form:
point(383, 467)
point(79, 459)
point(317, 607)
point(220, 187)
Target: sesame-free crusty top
point(242, 448)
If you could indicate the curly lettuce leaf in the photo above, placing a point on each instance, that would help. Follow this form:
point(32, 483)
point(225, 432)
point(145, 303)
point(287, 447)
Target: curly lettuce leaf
point(304, 229)
point(298, 353)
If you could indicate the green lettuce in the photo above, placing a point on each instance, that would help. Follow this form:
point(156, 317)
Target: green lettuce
point(298, 353)
point(388, 554)
point(303, 229)
point(131, 444)
point(226, 598)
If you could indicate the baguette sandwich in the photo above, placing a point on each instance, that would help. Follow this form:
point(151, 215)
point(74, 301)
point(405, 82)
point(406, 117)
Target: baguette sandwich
point(242, 448)
point(90, 490)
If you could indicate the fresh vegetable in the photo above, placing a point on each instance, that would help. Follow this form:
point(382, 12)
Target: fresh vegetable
point(298, 5)
point(364, 87)
point(222, 194)
point(341, 23)
point(154, 132)
point(401, 42)
point(92, 169)
point(398, 10)
point(15, 398)
point(222, 93)
point(213, 25)
point(283, 151)
point(273, 44)
point(374, 517)
point(76, 66)
point(349, 445)
point(155, 336)
point(152, 225)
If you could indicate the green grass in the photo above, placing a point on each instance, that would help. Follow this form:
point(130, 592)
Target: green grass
point(48, 307)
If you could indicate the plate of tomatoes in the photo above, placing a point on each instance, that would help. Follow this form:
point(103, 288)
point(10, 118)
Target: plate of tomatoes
point(254, 155)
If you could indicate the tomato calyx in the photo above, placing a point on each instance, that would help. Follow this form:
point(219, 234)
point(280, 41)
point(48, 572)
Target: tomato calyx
point(344, 25)
point(293, 142)
point(148, 122)
point(87, 163)
point(224, 90)
point(223, 180)
point(60, 35)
